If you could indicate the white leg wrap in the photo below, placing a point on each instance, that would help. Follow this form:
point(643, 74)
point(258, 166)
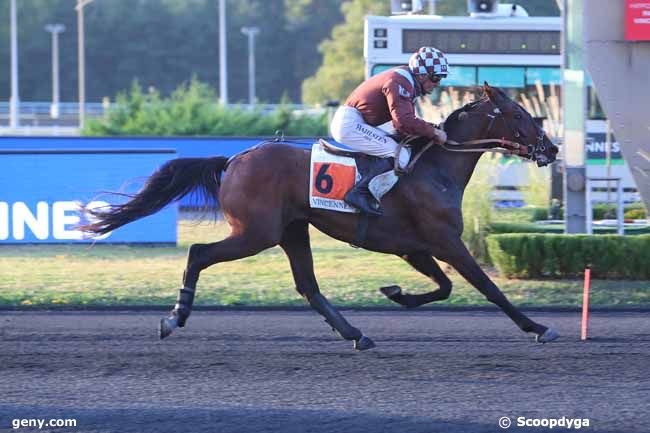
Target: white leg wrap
point(382, 183)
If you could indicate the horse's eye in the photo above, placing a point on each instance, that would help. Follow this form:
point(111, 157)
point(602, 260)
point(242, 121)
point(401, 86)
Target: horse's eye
point(518, 116)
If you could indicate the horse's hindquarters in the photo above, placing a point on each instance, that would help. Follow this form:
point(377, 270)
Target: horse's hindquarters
point(267, 186)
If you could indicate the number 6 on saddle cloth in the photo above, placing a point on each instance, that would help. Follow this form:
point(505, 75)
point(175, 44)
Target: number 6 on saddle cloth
point(333, 172)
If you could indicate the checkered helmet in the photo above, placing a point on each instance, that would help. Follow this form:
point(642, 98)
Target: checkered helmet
point(428, 61)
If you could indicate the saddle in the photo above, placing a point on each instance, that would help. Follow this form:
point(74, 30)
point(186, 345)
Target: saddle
point(362, 159)
point(335, 150)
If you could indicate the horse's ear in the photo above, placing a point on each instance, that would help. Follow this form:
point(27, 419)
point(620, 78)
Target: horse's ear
point(487, 90)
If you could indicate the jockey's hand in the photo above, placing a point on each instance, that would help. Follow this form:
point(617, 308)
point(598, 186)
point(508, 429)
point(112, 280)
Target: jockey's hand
point(440, 136)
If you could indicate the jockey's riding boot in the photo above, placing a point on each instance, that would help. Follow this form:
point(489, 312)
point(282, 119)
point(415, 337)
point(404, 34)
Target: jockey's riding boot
point(360, 196)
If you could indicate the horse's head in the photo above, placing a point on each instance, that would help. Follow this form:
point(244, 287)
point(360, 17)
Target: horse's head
point(512, 122)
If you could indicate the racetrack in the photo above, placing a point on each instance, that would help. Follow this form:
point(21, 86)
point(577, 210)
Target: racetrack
point(285, 371)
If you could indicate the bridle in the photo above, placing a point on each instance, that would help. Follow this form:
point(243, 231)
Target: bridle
point(534, 152)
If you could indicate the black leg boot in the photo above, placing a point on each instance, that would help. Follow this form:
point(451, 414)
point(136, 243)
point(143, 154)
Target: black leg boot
point(360, 196)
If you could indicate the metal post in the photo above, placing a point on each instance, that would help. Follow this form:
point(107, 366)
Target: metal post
point(575, 102)
point(14, 100)
point(432, 7)
point(589, 212)
point(55, 29)
point(82, 61)
point(223, 67)
point(251, 32)
point(620, 223)
point(608, 155)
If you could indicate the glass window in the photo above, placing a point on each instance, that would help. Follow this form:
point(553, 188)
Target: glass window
point(545, 75)
point(381, 68)
point(502, 76)
point(460, 76)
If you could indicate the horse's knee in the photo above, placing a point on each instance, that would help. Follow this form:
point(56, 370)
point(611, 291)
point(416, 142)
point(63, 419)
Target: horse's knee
point(445, 290)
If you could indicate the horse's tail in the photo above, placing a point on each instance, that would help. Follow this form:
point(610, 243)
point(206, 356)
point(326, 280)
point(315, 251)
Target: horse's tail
point(174, 180)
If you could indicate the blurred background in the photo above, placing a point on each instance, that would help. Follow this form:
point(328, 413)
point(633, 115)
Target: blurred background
point(159, 79)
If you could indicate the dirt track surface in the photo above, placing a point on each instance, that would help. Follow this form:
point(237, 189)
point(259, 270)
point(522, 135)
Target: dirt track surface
point(276, 371)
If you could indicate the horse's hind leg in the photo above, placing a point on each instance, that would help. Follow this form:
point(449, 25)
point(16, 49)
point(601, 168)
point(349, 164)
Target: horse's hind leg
point(236, 246)
point(295, 242)
point(423, 263)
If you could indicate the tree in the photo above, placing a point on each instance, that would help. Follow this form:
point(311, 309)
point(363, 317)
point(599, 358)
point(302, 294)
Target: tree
point(309, 22)
point(163, 43)
point(343, 63)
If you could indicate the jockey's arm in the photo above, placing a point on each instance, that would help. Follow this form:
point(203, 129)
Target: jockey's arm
point(402, 111)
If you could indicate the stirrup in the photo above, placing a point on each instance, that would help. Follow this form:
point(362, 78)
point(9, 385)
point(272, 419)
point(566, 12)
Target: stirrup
point(366, 203)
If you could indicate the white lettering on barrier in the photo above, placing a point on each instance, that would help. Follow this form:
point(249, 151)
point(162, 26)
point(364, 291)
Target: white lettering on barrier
point(22, 216)
point(60, 220)
point(64, 215)
point(92, 206)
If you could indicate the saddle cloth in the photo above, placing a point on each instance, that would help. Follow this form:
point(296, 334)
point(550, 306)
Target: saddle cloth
point(330, 177)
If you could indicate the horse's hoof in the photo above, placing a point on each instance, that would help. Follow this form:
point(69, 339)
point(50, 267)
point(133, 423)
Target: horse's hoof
point(363, 343)
point(166, 327)
point(391, 291)
point(549, 335)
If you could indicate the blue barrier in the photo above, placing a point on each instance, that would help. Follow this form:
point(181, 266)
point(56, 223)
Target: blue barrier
point(185, 147)
point(40, 190)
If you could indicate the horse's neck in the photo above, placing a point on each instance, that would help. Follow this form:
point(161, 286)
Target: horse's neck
point(459, 166)
point(455, 166)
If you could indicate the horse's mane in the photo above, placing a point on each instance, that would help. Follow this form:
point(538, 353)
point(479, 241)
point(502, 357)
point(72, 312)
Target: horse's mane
point(455, 117)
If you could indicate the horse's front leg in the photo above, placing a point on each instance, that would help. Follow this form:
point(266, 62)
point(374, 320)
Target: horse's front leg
point(457, 255)
point(296, 245)
point(423, 263)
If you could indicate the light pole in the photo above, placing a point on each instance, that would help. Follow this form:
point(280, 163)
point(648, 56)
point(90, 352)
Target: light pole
point(251, 32)
point(81, 60)
point(55, 29)
point(223, 58)
point(14, 100)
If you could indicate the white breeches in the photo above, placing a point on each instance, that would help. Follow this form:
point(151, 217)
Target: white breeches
point(349, 128)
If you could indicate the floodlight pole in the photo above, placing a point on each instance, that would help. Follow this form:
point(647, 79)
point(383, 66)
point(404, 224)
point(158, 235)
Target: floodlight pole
point(55, 29)
point(223, 58)
point(14, 100)
point(251, 32)
point(81, 61)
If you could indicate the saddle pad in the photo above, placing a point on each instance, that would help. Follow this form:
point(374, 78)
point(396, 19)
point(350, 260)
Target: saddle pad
point(330, 177)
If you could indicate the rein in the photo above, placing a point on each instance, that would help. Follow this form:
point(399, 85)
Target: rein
point(496, 145)
point(507, 147)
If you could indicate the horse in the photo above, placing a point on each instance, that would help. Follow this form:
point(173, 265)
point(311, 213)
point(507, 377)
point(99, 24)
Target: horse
point(263, 194)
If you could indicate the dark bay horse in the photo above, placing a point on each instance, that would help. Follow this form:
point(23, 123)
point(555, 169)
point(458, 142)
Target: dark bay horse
point(264, 196)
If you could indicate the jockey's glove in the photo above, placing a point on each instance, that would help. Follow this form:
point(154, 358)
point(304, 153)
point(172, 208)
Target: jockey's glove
point(440, 136)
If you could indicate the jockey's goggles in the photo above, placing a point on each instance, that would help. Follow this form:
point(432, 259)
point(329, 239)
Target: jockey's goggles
point(435, 79)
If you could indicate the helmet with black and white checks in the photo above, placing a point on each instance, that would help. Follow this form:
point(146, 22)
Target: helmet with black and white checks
point(428, 61)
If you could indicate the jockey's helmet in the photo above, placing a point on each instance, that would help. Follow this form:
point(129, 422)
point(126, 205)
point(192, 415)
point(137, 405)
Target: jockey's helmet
point(429, 61)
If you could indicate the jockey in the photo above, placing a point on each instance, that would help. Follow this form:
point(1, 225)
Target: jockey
point(388, 96)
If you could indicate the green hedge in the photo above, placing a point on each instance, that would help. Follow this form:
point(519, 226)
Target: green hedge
point(501, 228)
point(551, 255)
point(601, 211)
point(192, 110)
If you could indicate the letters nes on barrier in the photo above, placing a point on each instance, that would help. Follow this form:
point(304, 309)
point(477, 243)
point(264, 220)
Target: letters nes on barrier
point(41, 191)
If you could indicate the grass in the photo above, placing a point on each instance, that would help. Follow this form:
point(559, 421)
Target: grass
point(47, 275)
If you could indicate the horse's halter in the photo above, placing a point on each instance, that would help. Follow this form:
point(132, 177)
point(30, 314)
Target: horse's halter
point(534, 152)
